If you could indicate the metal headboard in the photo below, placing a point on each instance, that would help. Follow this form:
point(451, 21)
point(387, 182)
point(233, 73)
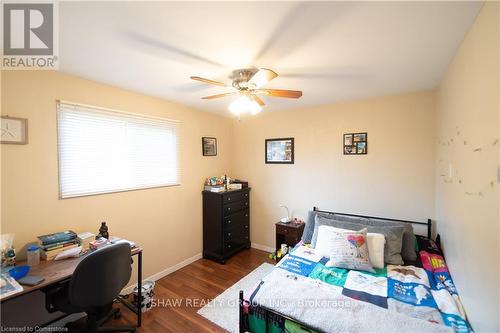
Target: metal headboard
point(428, 224)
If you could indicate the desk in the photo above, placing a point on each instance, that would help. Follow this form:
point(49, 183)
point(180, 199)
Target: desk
point(57, 271)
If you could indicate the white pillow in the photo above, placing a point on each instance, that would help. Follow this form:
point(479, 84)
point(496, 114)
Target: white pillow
point(345, 248)
point(376, 244)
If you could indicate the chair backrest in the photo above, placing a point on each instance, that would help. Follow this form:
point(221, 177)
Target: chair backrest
point(100, 276)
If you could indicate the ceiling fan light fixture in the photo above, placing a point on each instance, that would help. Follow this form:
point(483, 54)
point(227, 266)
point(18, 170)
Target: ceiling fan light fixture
point(244, 104)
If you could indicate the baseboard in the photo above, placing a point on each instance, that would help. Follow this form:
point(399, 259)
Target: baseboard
point(263, 247)
point(165, 272)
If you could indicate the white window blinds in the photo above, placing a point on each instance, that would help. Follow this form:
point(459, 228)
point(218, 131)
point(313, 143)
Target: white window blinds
point(102, 151)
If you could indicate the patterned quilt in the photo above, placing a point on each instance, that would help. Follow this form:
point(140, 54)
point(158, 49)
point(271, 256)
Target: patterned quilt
point(426, 293)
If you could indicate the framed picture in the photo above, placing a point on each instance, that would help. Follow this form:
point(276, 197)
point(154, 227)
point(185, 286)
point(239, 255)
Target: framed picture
point(209, 146)
point(14, 130)
point(279, 151)
point(355, 143)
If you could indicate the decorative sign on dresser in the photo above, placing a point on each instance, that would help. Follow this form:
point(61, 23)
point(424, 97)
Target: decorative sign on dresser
point(226, 223)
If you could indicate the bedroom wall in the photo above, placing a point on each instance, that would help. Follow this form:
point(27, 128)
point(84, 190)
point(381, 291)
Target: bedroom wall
point(395, 178)
point(467, 199)
point(165, 221)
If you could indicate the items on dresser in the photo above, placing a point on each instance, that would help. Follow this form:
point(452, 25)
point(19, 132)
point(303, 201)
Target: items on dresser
point(226, 223)
point(244, 184)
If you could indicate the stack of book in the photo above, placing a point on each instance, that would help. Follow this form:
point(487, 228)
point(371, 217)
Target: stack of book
point(53, 244)
point(85, 238)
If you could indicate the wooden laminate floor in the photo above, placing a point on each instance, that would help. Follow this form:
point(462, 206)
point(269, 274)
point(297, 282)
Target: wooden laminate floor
point(202, 280)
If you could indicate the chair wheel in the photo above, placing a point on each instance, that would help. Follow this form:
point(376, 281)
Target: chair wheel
point(117, 315)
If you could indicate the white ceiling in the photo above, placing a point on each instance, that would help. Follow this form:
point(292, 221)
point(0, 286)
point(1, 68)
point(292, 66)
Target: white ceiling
point(332, 51)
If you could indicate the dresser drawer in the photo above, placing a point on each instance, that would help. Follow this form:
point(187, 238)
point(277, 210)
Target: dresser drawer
point(236, 238)
point(233, 197)
point(237, 220)
point(234, 207)
point(236, 235)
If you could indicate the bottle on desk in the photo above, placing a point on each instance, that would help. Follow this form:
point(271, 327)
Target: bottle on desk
point(103, 231)
point(33, 255)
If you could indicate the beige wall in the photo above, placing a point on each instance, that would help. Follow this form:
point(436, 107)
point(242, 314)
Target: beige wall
point(165, 221)
point(467, 204)
point(395, 178)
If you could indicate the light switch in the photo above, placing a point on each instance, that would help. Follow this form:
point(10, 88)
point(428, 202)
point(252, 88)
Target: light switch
point(450, 170)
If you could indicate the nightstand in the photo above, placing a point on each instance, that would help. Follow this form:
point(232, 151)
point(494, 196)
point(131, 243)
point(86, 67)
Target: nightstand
point(288, 233)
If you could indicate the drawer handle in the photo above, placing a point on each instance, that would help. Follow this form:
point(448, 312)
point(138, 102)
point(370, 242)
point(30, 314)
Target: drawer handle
point(228, 208)
point(228, 221)
point(229, 234)
point(246, 195)
point(246, 215)
point(228, 198)
point(246, 237)
point(246, 227)
point(229, 246)
point(246, 203)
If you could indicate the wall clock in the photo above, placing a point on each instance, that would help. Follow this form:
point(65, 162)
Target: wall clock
point(14, 130)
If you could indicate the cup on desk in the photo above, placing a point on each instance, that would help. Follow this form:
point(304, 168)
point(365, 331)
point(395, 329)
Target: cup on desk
point(284, 249)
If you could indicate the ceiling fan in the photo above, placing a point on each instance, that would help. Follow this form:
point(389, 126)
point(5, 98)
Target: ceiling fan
point(248, 83)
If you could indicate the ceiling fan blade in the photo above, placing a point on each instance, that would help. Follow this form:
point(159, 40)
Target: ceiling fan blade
point(262, 77)
point(201, 79)
point(219, 95)
point(257, 99)
point(280, 93)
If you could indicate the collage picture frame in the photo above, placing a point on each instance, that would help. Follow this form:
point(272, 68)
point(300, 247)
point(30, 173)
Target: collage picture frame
point(355, 143)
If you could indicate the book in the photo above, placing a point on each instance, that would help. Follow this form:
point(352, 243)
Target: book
point(9, 286)
point(215, 188)
point(56, 237)
point(58, 245)
point(85, 238)
point(49, 255)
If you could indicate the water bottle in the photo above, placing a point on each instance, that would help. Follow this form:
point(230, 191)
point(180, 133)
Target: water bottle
point(33, 255)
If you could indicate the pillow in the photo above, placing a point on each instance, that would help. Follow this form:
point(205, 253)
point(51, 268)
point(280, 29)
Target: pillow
point(376, 243)
point(408, 250)
point(309, 227)
point(393, 236)
point(346, 249)
point(352, 219)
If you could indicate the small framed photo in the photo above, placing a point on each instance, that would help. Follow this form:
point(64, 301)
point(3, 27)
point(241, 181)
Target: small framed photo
point(355, 144)
point(360, 137)
point(347, 139)
point(14, 130)
point(209, 146)
point(280, 151)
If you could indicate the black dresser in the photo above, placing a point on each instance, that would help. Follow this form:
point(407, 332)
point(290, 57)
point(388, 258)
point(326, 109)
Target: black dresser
point(226, 223)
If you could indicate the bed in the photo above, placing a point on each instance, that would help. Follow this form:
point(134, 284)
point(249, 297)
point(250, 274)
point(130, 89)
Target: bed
point(302, 294)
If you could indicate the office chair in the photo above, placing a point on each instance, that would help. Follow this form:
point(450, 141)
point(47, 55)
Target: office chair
point(94, 285)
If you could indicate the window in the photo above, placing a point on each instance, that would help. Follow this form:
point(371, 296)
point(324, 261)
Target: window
point(103, 151)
